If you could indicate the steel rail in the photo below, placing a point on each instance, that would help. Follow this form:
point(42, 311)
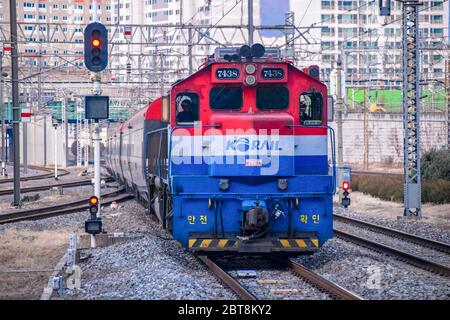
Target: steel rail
point(398, 254)
point(61, 209)
point(50, 186)
point(433, 244)
point(226, 278)
point(50, 174)
point(322, 283)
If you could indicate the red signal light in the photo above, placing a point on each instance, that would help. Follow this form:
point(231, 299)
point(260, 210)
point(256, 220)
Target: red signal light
point(93, 200)
point(345, 185)
point(96, 42)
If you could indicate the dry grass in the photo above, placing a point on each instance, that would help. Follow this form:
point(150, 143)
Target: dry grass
point(391, 188)
point(28, 250)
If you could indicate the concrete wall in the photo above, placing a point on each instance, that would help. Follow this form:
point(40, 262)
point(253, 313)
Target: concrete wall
point(35, 143)
point(386, 136)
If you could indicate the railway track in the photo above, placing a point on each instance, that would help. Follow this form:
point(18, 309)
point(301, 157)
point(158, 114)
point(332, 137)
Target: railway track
point(49, 174)
point(432, 244)
point(409, 258)
point(66, 208)
point(316, 280)
point(226, 278)
point(72, 184)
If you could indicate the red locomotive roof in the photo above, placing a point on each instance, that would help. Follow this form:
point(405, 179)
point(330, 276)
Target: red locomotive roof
point(154, 110)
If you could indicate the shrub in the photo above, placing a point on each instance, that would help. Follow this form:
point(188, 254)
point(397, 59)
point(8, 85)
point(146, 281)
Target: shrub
point(435, 164)
point(390, 188)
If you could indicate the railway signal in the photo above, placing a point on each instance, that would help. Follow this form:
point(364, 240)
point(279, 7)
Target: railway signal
point(93, 206)
point(96, 47)
point(93, 225)
point(346, 200)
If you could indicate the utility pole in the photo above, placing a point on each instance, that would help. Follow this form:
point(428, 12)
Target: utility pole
point(15, 100)
point(190, 48)
point(87, 132)
point(161, 70)
point(55, 126)
point(251, 26)
point(411, 108)
point(2, 106)
point(64, 114)
point(25, 134)
point(339, 109)
point(447, 82)
point(78, 134)
point(366, 126)
point(39, 102)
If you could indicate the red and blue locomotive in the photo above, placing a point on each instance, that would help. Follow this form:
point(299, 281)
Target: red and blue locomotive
point(235, 158)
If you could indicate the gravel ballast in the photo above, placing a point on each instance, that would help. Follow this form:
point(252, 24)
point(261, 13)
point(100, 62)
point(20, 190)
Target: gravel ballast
point(373, 275)
point(148, 266)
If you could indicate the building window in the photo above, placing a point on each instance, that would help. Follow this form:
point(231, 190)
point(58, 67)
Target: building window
point(327, 4)
point(437, 19)
point(347, 5)
point(437, 5)
point(327, 18)
point(328, 32)
point(437, 32)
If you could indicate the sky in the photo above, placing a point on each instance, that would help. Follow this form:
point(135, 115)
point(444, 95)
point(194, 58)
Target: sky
point(272, 13)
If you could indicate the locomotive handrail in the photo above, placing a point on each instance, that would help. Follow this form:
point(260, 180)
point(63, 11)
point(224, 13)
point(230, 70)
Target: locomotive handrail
point(161, 130)
point(333, 148)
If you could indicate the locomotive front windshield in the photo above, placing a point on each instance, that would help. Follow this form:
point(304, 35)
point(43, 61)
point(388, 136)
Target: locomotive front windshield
point(225, 98)
point(272, 98)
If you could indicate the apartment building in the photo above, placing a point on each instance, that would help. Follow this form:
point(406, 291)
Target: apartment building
point(371, 45)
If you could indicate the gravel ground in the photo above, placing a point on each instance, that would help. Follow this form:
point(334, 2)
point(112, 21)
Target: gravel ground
point(373, 275)
point(427, 253)
point(150, 266)
point(416, 227)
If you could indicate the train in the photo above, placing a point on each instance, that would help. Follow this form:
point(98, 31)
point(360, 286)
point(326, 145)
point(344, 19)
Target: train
point(237, 158)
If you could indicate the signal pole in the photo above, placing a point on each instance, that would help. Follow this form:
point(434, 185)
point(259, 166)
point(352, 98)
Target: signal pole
point(251, 27)
point(2, 106)
point(15, 100)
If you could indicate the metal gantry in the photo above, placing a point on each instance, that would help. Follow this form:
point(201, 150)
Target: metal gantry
point(411, 108)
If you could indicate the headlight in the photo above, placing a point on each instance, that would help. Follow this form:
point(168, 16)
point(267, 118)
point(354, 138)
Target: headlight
point(224, 184)
point(282, 184)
